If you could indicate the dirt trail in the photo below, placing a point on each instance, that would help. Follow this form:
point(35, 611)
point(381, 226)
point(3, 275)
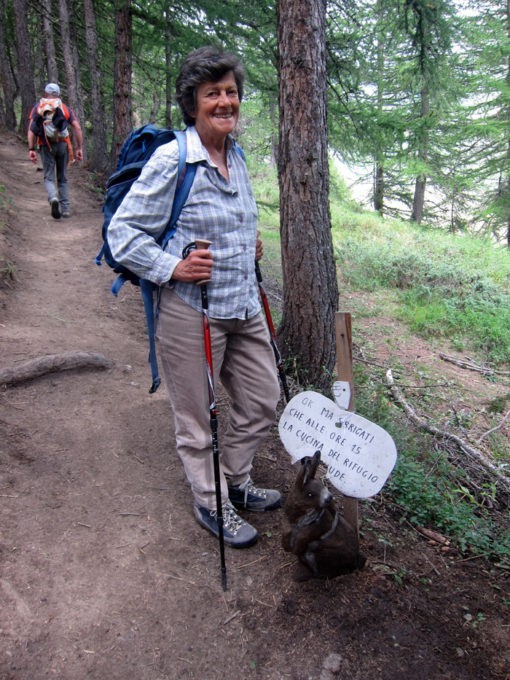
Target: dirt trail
point(103, 571)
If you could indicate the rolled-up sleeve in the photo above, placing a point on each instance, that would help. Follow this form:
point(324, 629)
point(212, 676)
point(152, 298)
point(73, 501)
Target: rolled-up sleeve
point(142, 217)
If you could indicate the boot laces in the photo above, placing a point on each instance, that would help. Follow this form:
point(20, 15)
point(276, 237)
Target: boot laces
point(250, 488)
point(231, 520)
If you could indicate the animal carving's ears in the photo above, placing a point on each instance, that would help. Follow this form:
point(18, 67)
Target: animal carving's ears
point(309, 467)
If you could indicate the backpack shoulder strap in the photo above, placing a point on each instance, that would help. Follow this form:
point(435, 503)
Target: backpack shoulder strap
point(185, 177)
point(239, 150)
point(66, 111)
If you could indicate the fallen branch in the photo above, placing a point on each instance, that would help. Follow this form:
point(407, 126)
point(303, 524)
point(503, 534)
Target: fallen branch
point(494, 429)
point(470, 365)
point(471, 451)
point(52, 363)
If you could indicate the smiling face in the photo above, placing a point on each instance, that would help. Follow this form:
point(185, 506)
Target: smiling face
point(216, 108)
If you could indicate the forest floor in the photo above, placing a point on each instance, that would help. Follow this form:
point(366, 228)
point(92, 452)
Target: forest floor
point(105, 574)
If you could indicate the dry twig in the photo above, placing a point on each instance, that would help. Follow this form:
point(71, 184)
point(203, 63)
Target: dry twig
point(471, 451)
point(494, 429)
point(471, 365)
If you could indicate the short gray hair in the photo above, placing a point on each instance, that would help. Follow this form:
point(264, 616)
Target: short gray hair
point(200, 66)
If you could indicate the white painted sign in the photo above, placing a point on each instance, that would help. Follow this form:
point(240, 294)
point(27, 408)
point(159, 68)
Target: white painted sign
point(359, 454)
point(342, 393)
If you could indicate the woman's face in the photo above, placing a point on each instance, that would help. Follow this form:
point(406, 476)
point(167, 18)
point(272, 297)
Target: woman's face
point(217, 108)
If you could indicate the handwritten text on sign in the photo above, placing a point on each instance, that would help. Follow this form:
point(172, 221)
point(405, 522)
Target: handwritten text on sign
point(359, 454)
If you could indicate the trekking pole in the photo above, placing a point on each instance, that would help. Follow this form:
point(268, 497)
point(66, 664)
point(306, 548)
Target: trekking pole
point(272, 333)
point(213, 418)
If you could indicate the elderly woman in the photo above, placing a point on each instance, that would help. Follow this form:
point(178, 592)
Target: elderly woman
point(221, 209)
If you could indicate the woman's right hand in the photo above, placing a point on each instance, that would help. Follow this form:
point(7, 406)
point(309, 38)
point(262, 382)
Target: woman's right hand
point(196, 267)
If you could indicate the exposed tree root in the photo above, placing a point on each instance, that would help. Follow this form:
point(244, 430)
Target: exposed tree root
point(51, 363)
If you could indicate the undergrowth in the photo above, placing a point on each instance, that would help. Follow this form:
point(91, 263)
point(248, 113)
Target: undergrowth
point(426, 488)
point(440, 285)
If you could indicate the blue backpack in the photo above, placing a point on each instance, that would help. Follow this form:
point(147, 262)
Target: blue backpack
point(134, 153)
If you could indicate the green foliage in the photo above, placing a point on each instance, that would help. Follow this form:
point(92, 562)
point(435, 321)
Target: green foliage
point(455, 287)
point(430, 494)
point(426, 489)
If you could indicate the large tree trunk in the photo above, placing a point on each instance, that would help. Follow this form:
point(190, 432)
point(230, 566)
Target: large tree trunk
point(122, 75)
point(99, 157)
point(307, 332)
point(25, 64)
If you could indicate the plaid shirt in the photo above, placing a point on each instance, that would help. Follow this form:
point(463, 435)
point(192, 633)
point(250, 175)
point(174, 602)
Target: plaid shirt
point(224, 212)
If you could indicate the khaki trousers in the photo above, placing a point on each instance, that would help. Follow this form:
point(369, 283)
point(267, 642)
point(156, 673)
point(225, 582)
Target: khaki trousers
point(244, 362)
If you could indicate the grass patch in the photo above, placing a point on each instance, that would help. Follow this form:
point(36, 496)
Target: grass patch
point(455, 287)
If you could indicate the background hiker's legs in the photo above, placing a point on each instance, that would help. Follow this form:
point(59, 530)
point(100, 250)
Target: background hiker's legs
point(48, 161)
point(61, 159)
point(250, 377)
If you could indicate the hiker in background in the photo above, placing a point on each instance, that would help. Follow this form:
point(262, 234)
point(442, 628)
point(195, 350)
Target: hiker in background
point(220, 208)
point(50, 120)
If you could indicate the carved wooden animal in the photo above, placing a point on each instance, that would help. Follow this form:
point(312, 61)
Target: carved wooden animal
point(324, 542)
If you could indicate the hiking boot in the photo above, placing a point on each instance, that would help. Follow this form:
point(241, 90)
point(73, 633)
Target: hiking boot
point(248, 497)
point(236, 532)
point(55, 208)
point(66, 213)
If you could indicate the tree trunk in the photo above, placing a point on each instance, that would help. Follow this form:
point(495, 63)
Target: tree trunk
point(307, 332)
point(49, 42)
point(379, 188)
point(122, 75)
point(71, 70)
point(6, 77)
point(168, 64)
point(421, 180)
point(25, 64)
point(379, 157)
point(98, 158)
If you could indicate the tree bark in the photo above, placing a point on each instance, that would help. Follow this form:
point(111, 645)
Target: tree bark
point(6, 77)
point(25, 64)
point(49, 42)
point(98, 160)
point(122, 75)
point(72, 78)
point(307, 332)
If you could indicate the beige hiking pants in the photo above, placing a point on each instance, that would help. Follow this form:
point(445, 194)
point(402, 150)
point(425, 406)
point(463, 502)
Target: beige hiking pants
point(244, 362)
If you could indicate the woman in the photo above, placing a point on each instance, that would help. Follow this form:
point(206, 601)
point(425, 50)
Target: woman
point(220, 208)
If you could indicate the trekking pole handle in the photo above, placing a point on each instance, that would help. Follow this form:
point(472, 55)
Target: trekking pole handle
point(202, 244)
point(199, 244)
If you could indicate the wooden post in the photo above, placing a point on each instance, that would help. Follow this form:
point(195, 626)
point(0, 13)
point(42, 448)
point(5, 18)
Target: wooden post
point(344, 373)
